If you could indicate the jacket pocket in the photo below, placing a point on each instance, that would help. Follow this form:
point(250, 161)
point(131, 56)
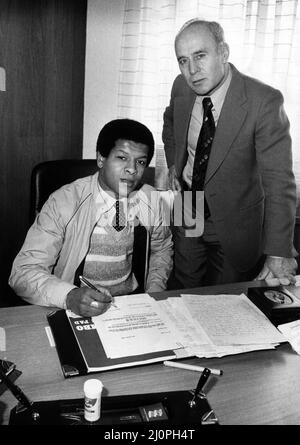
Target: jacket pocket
point(257, 202)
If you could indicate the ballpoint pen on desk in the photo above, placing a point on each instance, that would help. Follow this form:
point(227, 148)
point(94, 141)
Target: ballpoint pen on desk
point(91, 286)
point(203, 379)
point(175, 364)
point(19, 395)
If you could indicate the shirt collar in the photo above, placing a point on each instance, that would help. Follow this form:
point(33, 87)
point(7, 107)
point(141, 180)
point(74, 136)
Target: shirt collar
point(105, 201)
point(218, 96)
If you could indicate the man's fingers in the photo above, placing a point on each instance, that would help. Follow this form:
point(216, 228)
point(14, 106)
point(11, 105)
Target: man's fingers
point(288, 279)
point(284, 281)
point(272, 281)
point(264, 273)
point(102, 296)
point(105, 291)
point(93, 308)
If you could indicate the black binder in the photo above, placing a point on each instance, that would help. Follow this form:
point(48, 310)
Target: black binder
point(71, 357)
point(71, 360)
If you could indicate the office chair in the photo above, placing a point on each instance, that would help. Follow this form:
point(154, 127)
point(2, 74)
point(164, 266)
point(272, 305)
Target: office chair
point(49, 176)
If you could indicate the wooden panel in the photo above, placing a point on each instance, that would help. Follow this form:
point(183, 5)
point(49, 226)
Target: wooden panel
point(42, 48)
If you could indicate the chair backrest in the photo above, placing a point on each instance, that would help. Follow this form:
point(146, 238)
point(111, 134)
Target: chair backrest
point(49, 176)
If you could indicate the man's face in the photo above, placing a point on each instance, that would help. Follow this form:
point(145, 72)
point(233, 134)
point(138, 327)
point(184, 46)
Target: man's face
point(201, 61)
point(121, 171)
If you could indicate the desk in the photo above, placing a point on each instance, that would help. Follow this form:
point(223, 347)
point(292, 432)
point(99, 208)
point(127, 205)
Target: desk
point(261, 387)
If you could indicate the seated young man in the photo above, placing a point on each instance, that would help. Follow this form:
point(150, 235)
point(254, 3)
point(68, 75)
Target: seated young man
point(78, 231)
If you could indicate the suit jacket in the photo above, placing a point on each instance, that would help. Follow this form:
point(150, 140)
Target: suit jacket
point(249, 184)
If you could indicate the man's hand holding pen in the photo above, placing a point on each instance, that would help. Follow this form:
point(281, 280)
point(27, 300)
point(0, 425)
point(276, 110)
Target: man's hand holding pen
point(88, 302)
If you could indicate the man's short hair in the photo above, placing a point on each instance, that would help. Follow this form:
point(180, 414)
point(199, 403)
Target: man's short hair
point(127, 129)
point(214, 27)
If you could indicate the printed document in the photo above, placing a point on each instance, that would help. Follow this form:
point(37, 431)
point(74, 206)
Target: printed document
point(137, 326)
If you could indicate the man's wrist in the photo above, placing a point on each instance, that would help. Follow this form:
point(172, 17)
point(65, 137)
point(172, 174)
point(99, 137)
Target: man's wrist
point(66, 301)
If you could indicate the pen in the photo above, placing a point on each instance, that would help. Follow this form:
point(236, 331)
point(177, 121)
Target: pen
point(91, 286)
point(203, 379)
point(18, 393)
point(191, 367)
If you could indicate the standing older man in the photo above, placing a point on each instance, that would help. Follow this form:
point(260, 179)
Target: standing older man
point(242, 160)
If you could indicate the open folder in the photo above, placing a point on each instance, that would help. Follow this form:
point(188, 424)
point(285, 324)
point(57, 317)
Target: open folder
point(139, 329)
point(132, 333)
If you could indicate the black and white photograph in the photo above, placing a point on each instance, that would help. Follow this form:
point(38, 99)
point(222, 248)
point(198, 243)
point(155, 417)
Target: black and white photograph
point(150, 215)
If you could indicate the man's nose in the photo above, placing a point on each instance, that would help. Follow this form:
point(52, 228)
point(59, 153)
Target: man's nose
point(193, 67)
point(131, 167)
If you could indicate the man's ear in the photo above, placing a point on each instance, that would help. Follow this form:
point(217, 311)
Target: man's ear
point(100, 160)
point(225, 51)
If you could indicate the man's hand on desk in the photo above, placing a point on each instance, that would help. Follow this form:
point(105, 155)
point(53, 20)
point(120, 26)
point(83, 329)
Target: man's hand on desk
point(88, 302)
point(279, 267)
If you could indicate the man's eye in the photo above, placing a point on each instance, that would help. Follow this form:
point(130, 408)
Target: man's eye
point(143, 163)
point(121, 157)
point(199, 56)
point(182, 62)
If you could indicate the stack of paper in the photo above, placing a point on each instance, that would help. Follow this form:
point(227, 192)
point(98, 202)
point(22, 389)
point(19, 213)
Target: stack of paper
point(218, 325)
point(137, 325)
point(201, 325)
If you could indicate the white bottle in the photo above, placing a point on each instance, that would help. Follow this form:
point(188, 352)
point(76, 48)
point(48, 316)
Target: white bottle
point(92, 399)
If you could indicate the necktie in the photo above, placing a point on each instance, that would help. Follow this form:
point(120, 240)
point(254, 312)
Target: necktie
point(120, 220)
point(204, 144)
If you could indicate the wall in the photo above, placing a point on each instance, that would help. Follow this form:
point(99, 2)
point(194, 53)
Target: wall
point(42, 49)
point(103, 44)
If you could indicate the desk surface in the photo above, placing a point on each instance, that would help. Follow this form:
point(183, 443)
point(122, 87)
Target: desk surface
point(261, 387)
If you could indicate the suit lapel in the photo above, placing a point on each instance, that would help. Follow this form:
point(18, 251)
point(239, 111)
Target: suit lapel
point(232, 116)
point(182, 115)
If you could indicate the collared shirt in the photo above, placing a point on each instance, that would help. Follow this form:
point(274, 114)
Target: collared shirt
point(105, 207)
point(217, 99)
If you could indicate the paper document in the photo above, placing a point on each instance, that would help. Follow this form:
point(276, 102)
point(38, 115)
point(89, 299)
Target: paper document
point(231, 320)
point(189, 332)
point(138, 326)
point(218, 325)
point(291, 332)
point(189, 325)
